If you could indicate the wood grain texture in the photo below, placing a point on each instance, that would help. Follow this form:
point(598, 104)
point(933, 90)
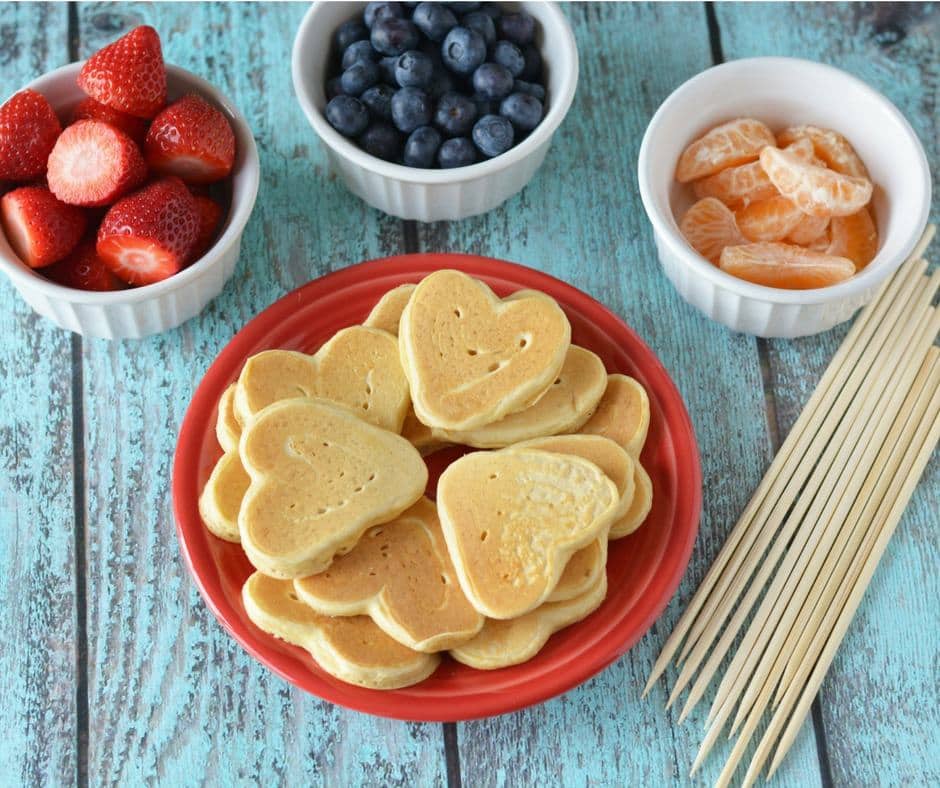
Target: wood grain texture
point(173, 698)
point(581, 219)
point(881, 698)
point(38, 656)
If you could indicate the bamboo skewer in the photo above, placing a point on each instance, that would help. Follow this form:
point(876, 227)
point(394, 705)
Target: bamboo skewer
point(885, 345)
point(812, 534)
point(882, 311)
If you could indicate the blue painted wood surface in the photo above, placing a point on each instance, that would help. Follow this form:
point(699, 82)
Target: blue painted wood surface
point(112, 671)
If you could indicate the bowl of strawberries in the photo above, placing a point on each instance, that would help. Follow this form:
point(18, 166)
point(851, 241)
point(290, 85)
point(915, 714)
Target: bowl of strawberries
point(126, 185)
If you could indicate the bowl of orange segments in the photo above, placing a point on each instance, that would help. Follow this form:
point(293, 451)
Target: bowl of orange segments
point(797, 190)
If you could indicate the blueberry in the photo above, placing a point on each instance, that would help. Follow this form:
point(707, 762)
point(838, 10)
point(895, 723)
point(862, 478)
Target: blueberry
point(378, 100)
point(492, 10)
point(347, 115)
point(377, 11)
point(381, 140)
point(358, 50)
point(387, 69)
point(518, 28)
point(485, 106)
point(359, 76)
point(463, 8)
point(533, 63)
point(455, 114)
point(392, 36)
point(483, 24)
point(434, 20)
point(349, 32)
point(492, 81)
point(493, 135)
point(463, 50)
point(509, 55)
point(414, 69)
point(421, 147)
point(440, 83)
point(533, 89)
point(522, 110)
point(457, 152)
point(334, 88)
point(411, 108)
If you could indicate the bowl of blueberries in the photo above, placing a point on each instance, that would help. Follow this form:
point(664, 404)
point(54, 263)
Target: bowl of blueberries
point(433, 111)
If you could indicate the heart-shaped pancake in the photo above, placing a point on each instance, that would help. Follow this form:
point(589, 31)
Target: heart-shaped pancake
point(359, 368)
point(320, 476)
point(420, 435)
point(612, 459)
point(581, 571)
point(623, 414)
point(566, 405)
point(504, 643)
point(640, 504)
point(401, 575)
point(352, 649)
point(386, 314)
point(472, 358)
point(222, 497)
point(227, 428)
point(512, 520)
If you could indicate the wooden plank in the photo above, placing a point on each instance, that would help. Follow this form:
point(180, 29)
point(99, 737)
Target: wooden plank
point(581, 219)
point(38, 645)
point(175, 699)
point(881, 695)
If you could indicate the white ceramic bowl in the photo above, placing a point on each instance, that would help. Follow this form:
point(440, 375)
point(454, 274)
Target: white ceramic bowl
point(150, 309)
point(432, 195)
point(783, 92)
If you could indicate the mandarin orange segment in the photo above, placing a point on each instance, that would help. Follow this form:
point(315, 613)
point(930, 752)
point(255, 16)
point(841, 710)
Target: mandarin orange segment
point(738, 187)
point(769, 220)
point(785, 266)
point(830, 146)
point(709, 227)
point(808, 230)
point(815, 190)
point(728, 145)
point(855, 237)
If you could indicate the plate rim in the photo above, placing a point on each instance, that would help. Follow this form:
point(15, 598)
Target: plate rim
point(384, 703)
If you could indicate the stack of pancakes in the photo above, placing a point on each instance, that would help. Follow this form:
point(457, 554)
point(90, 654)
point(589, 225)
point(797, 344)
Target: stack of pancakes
point(322, 482)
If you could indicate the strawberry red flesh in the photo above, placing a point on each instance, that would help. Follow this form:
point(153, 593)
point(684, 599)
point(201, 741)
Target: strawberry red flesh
point(89, 109)
point(192, 140)
point(128, 74)
point(28, 130)
point(84, 270)
point(93, 163)
point(210, 214)
point(40, 228)
point(150, 234)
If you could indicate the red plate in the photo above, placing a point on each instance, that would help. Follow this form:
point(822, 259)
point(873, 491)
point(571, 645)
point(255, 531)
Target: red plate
point(643, 569)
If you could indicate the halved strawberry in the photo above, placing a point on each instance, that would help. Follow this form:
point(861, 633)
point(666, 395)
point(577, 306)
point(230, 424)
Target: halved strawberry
point(89, 109)
point(129, 74)
point(210, 214)
point(28, 130)
point(93, 163)
point(192, 140)
point(84, 270)
point(150, 234)
point(40, 229)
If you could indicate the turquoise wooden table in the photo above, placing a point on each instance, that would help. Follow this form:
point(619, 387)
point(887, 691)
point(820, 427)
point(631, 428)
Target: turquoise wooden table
point(112, 670)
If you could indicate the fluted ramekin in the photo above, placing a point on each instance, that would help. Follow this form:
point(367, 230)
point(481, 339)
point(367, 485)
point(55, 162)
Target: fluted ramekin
point(424, 194)
point(784, 92)
point(149, 309)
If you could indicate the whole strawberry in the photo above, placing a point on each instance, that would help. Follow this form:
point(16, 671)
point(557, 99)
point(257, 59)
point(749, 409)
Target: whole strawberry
point(192, 140)
point(150, 234)
point(89, 109)
point(129, 74)
point(84, 270)
point(40, 228)
point(28, 130)
point(210, 215)
point(94, 163)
